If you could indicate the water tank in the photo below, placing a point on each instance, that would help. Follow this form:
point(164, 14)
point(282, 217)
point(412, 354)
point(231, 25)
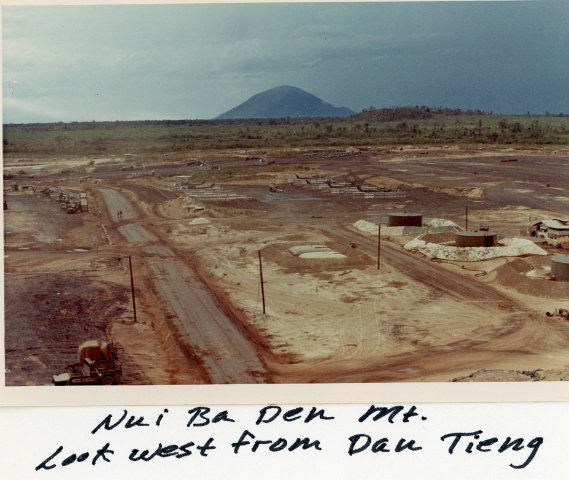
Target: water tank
point(405, 220)
point(476, 239)
point(560, 268)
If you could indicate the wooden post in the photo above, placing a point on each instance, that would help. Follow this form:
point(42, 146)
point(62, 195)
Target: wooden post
point(132, 288)
point(466, 216)
point(262, 283)
point(378, 243)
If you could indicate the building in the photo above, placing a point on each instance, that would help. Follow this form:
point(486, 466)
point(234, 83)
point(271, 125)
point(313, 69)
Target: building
point(553, 231)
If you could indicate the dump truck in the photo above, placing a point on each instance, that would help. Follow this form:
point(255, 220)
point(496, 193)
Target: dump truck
point(97, 364)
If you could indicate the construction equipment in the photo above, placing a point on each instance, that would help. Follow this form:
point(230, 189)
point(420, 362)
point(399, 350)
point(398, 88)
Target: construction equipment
point(98, 365)
point(73, 208)
point(559, 312)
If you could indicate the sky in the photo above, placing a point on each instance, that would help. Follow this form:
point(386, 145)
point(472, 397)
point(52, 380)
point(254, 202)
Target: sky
point(144, 62)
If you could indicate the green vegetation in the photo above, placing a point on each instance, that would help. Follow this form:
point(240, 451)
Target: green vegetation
point(371, 127)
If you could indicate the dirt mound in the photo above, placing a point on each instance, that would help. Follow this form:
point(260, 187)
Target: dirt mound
point(510, 247)
point(200, 221)
point(519, 266)
point(442, 222)
point(370, 227)
point(384, 182)
point(315, 252)
point(279, 253)
point(177, 208)
point(513, 275)
point(469, 192)
point(67, 310)
point(434, 226)
point(441, 237)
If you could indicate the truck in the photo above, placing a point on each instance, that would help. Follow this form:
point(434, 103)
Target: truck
point(98, 364)
point(559, 312)
point(73, 208)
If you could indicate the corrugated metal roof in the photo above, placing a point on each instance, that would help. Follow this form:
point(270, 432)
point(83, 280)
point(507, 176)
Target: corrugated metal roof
point(553, 223)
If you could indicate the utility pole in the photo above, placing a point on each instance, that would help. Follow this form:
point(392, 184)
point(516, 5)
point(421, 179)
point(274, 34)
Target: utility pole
point(378, 243)
point(549, 198)
point(262, 283)
point(132, 288)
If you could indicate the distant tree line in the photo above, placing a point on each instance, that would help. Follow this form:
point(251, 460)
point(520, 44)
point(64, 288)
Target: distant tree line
point(384, 126)
point(393, 114)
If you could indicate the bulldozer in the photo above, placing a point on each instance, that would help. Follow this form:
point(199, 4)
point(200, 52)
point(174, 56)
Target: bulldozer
point(97, 364)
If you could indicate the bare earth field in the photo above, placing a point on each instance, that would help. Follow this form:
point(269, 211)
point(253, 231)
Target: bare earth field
point(197, 281)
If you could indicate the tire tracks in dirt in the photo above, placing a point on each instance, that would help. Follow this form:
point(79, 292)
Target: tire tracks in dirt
point(225, 352)
point(508, 338)
point(423, 271)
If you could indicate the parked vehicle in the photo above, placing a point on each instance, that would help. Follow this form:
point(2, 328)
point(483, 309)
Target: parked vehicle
point(559, 312)
point(98, 365)
point(73, 208)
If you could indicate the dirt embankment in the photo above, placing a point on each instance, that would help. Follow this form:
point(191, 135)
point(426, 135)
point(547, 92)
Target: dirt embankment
point(514, 275)
point(66, 284)
point(47, 316)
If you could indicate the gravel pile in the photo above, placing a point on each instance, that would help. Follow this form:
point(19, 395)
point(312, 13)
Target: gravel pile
point(436, 225)
point(509, 247)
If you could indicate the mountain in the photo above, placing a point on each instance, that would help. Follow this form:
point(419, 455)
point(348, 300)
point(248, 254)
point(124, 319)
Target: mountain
point(283, 102)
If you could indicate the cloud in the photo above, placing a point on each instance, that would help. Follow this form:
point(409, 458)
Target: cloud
point(21, 108)
point(199, 60)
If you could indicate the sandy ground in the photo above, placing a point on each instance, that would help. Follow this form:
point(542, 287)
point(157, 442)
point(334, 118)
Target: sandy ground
point(327, 320)
point(63, 285)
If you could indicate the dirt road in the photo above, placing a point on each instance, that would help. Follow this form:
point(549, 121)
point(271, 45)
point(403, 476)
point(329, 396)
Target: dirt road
point(227, 355)
point(117, 203)
point(136, 234)
point(197, 280)
point(423, 271)
point(514, 329)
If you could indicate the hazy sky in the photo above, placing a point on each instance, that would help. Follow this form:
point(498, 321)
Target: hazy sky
point(111, 62)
